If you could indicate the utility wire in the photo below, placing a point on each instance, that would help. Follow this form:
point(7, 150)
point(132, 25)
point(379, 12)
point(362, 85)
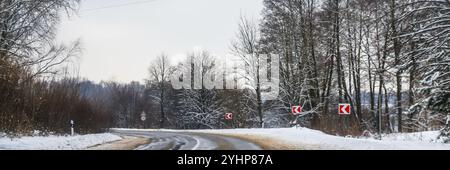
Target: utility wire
point(118, 6)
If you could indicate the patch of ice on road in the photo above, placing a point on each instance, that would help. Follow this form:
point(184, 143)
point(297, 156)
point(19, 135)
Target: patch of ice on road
point(56, 142)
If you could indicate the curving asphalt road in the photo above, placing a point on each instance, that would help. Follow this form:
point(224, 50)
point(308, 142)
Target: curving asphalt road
point(161, 140)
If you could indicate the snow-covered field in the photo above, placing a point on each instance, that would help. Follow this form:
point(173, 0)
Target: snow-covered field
point(78, 142)
point(304, 138)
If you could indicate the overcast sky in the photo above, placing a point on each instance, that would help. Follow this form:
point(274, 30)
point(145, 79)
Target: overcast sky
point(120, 37)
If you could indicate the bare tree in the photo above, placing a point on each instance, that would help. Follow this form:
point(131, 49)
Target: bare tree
point(159, 72)
point(28, 50)
point(247, 47)
point(28, 29)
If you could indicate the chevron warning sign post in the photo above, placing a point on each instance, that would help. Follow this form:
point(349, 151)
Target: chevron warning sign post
point(296, 110)
point(344, 109)
point(229, 116)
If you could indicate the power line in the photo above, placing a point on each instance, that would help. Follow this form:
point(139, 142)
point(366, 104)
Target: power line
point(118, 6)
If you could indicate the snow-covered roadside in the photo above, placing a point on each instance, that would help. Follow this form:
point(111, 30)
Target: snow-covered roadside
point(78, 142)
point(302, 137)
point(429, 136)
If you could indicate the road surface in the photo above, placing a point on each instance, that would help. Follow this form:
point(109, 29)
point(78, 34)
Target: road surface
point(160, 140)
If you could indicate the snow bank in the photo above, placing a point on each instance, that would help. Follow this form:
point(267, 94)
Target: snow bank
point(304, 138)
point(2, 135)
point(430, 136)
point(56, 142)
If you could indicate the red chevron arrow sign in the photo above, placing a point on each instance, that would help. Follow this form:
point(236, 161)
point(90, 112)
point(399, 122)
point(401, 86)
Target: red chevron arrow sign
point(296, 110)
point(229, 116)
point(344, 109)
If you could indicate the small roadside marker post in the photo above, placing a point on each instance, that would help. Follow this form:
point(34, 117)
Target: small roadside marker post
point(448, 119)
point(143, 118)
point(72, 130)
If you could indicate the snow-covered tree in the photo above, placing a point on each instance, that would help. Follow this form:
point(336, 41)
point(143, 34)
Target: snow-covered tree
point(431, 35)
point(199, 106)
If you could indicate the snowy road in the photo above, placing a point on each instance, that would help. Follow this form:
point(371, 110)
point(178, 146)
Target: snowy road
point(188, 141)
point(279, 139)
